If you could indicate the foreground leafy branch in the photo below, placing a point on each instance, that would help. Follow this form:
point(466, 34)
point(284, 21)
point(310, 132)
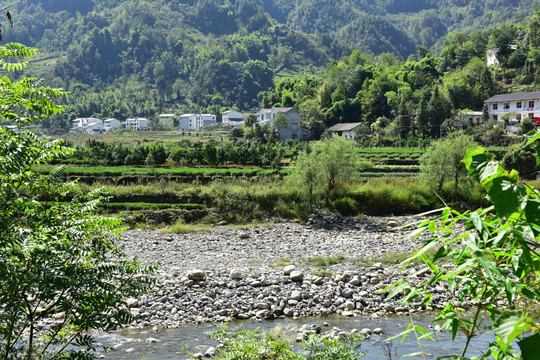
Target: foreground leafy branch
point(493, 263)
point(61, 273)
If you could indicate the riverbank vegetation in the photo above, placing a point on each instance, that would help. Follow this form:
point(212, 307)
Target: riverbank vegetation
point(258, 344)
point(495, 263)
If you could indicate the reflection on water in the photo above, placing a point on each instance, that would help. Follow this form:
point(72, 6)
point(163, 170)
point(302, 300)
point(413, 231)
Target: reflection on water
point(178, 343)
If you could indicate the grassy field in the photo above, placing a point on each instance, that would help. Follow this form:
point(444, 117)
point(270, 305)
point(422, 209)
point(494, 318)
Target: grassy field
point(134, 170)
point(136, 137)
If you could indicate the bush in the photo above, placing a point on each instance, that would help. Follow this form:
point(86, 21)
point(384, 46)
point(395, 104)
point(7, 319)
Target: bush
point(61, 273)
point(258, 344)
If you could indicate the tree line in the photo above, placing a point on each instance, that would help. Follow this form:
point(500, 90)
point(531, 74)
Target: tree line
point(183, 153)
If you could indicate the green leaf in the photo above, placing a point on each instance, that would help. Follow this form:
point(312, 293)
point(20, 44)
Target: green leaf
point(398, 287)
point(530, 347)
point(510, 325)
point(507, 196)
point(477, 222)
point(476, 159)
point(532, 210)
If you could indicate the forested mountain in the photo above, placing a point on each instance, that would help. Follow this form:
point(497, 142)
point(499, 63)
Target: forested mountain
point(139, 57)
point(376, 26)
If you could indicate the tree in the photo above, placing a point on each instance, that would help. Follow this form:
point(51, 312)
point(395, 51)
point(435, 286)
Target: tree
point(61, 273)
point(379, 126)
point(280, 121)
point(327, 166)
point(251, 120)
point(443, 161)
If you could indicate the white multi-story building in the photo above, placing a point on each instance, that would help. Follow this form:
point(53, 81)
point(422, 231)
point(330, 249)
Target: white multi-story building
point(137, 123)
point(232, 118)
point(516, 106)
point(94, 127)
point(111, 124)
point(293, 130)
point(187, 122)
point(205, 119)
point(81, 124)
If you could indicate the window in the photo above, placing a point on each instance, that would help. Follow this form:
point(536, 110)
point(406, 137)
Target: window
point(531, 104)
point(506, 106)
point(495, 106)
point(518, 105)
point(495, 117)
point(531, 115)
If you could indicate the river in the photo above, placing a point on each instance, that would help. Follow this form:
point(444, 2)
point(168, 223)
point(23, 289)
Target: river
point(179, 342)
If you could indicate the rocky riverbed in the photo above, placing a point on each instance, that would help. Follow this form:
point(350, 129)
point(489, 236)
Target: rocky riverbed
point(283, 270)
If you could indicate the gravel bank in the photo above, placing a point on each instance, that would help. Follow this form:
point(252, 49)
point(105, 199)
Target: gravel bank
point(243, 273)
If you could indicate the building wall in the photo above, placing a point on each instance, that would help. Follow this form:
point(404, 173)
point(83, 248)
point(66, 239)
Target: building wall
point(511, 108)
point(293, 130)
point(187, 122)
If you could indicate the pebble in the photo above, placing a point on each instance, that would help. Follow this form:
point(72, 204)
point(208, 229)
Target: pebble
point(241, 278)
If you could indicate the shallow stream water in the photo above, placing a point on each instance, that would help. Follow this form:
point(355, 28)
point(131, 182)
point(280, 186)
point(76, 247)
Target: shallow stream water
point(179, 343)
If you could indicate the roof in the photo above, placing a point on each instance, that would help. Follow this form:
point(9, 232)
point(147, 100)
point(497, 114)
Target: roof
point(284, 109)
point(187, 115)
point(514, 97)
point(344, 126)
point(230, 111)
point(111, 120)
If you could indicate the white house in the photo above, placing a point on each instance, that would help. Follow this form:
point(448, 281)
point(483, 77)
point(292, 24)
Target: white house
point(232, 118)
point(472, 117)
point(137, 123)
point(111, 124)
point(516, 106)
point(344, 129)
point(81, 124)
point(205, 119)
point(166, 120)
point(94, 127)
point(293, 130)
point(187, 122)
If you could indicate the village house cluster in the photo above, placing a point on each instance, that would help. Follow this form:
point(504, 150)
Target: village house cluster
point(510, 109)
point(94, 125)
point(229, 118)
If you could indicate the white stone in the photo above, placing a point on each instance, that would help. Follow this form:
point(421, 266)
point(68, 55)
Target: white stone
point(288, 269)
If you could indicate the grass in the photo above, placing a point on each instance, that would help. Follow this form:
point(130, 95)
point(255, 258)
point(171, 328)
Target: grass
point(283, 262)
point(323, 262)
point(134, 170)
point(182, 228)
point(150, 206)
point(264, 225)
point(136, 137)
point(400, 150)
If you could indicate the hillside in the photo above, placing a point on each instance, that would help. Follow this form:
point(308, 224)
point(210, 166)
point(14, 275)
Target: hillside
point(139, 57)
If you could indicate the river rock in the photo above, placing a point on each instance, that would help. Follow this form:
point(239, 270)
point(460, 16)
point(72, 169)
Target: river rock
point(296, 275)
point(296, 295)
point(132, 302)
point(288, 269)
point(235, 274)
point(196, 275)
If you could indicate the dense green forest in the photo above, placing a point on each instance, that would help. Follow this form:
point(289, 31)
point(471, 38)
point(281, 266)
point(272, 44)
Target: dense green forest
point(139, 57)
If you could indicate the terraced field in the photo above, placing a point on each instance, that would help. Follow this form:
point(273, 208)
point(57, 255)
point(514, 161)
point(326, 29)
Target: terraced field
point(163, 194)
